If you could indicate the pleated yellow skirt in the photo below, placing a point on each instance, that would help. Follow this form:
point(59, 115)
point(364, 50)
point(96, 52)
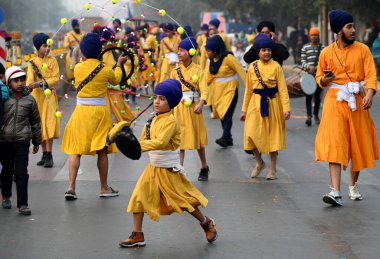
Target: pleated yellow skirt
point(160, 192)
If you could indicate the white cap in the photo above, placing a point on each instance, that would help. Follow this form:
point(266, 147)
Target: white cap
point(13, 72)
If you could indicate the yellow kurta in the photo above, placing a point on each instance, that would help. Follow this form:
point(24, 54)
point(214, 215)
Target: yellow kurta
point(223, 87)
point(115, 98)
point(193, 128)
point(159, 191)
point(166, 67)
point(225, 40)
point(203, 58)
point(343, 134)
point(89, 125)
point(71, 41)
point(267, 134)
point(47, 105)
point(148, 45)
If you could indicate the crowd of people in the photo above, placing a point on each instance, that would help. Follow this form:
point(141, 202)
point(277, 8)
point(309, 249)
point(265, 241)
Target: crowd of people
point(185, 74)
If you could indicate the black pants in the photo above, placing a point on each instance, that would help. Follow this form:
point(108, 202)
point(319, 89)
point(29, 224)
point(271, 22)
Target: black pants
point(227, 121)
point(14, 158)
point(317, 102)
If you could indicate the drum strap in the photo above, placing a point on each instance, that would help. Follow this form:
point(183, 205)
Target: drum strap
point(265, 93)
point(187, 84)
point(90, 77)
point(147, 127)
point(39, 75)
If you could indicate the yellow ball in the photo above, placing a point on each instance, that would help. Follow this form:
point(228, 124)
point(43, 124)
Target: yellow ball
point(63, 21)
point(47, 92)
point(49, 42)
point(58, 114)
point(187, 102)
point(87, 6)
point(195, 78)
point(180, 30)
point(192, 51)
point(44, 66)
point(137, 1)
point(115, 1)
point(162, 12)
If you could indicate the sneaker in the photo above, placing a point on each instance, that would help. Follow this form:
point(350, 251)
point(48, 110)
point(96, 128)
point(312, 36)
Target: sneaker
point(48, 160)
point(6, 203)
point(333, 198)
point(70, 196)
point(257, 170)
point(354, 194)
point(224, 142)
point(210, 230)
point(203, 174)
point(43, 158)
point(24, 210)
point(271, 175)
point(308, 121)
point(134, 240)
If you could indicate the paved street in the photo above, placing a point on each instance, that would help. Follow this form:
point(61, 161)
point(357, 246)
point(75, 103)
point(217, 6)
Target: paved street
point(285, 218)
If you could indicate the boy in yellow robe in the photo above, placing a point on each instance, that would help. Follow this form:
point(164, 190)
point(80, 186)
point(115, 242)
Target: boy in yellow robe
point(347, 131)
point(42, 77)
point(213, 30)
point(265, 107)
point(222, 77)
point(163, 188)
point(90, 123)
point(72, 41)
point(189, 111)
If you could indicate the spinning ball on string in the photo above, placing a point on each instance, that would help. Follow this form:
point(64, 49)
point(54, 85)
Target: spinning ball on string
point(180, 30)
point(87, 6)
point(115, 1)
point(194, 78)
point(63, 21)
point(49, 42)
point(58, 114)
point(162, 12)
point(44, 66)
point(192, 51)
point(47, 92)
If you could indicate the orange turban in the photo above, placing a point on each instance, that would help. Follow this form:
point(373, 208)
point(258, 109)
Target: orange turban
point(314, 31)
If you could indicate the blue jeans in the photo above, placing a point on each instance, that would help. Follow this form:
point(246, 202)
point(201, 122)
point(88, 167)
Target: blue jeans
point(227, 121)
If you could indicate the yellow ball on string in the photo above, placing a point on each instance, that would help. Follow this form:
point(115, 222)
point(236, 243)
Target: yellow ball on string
point(58, 114)
point(194, 78)
point(115, 1)
point(180, 30)
point(44, 66)
point(87, 6)
point(49, 42)
point(47, 92)
point(162, 12)
point(187, 102)
point(192, 51)
point(63, 21)
point(137, 1)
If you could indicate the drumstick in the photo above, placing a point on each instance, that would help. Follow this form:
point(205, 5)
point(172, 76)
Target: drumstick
point(138, 115)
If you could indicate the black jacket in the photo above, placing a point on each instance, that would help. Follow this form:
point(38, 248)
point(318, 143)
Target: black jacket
point(21, 120)
point(279, 53)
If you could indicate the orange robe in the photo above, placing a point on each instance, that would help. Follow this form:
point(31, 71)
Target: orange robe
point(343, 134)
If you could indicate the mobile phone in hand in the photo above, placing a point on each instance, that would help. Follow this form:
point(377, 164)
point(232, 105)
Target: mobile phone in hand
point(328, 73)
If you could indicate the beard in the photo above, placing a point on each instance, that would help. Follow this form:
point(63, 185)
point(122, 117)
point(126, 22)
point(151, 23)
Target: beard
point(347, 40)
point(77, 30)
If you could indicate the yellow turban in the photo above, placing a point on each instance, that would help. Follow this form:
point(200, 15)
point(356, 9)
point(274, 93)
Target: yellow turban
point(314, 31)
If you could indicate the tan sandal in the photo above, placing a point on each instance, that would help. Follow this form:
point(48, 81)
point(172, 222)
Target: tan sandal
point(257, 170)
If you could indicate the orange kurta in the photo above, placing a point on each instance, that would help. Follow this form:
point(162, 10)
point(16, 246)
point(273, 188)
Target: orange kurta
point(343, 134)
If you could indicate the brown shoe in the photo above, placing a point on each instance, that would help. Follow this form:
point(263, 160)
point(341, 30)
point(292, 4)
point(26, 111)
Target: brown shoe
point(271, 175)
point(210, 230)
point(257, 170)
point(135, 240)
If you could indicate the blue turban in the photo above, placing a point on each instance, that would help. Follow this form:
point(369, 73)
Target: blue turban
point(172, 90)
point(128, 30)
point(117, 20)
point(40, 39)
point(91, 46)
point(169, 27)
point(74, 23)
point(216, 44)
point(106, 34)
point(204, 27)
point(215, 22)
point(338, 19)
point(189, 32)
point(188, 43)
point(268, 24)
point(262, 41)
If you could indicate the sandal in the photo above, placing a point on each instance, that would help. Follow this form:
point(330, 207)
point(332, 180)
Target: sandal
point(70, 196)
point(113, 193)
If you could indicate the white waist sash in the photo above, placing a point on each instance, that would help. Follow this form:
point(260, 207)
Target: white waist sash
point(191, 95)
point(101, 101)
point(347, 92)
point(173, 57)
point(166, 159)
point(226, 79)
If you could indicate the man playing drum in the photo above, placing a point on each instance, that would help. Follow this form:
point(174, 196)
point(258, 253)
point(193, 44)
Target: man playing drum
point(347, 131)
point(309, 59)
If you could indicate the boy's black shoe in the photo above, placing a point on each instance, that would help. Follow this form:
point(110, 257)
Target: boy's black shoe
point(24, 210)
point(316, 119)
point(224, 142)
point(6, 203)
point(308, 121)
point(203, 174)
point(49, 160)
point(43, 158)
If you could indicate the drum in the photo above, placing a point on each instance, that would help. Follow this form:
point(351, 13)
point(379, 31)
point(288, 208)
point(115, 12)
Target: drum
point(308, 84)
point(300, 85)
